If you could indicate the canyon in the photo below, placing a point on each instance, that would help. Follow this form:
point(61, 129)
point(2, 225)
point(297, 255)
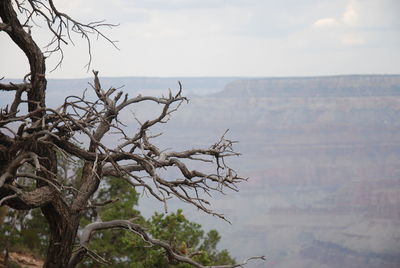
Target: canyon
point(322, 155)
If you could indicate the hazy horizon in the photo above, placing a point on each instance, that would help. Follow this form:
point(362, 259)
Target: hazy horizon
point(210, 77)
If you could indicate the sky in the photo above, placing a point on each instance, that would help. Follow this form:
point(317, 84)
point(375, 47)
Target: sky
point(255, 38)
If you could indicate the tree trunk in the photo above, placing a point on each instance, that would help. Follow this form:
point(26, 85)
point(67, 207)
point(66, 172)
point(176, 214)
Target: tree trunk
point(63, 225)
point(62, 237)
point(37, 65)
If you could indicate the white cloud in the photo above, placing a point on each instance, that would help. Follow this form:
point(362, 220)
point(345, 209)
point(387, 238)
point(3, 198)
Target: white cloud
point(326, 22)
point(362, 23)
point(351, 15)
point(377, 14)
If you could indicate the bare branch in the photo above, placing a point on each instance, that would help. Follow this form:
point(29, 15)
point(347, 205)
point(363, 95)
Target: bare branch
point(14, 87)
point(86, 234)
point(5, 27)
point(13, 166)
point(62, 26)
point(7, 198)
point(27, 199)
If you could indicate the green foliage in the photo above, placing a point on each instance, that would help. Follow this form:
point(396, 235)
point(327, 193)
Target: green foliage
point(175, 229)
point(187, 238)
point(128, 250)
point(9, 234)
point(122, 248)
point(23, 231)
point(209, 246)
point(35, 234)
point(119, 246)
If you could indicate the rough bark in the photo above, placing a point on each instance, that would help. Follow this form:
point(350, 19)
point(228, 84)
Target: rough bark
point(35, 56)
point(63, 231)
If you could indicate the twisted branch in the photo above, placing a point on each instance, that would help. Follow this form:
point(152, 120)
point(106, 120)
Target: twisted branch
point(88, 230)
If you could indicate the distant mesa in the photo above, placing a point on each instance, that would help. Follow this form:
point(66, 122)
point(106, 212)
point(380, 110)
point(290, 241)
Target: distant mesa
point(322, 86)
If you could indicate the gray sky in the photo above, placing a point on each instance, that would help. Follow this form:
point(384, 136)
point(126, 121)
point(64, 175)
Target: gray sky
point(228, 38)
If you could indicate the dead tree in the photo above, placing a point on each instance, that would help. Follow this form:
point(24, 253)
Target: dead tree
point(34, 135)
